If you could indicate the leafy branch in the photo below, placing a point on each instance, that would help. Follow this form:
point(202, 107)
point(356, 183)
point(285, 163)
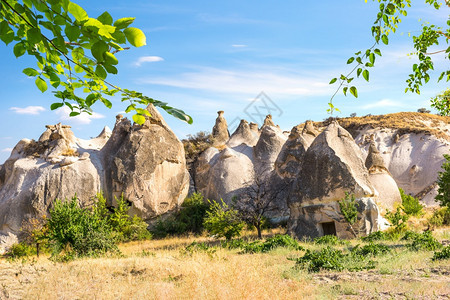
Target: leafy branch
point(45, 29)
point(387, 21)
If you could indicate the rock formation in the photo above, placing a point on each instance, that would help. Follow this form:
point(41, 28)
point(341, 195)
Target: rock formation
point(243, 135)
point(332, 166)
point(145, 163)
point(220, 130)
point(381, 179)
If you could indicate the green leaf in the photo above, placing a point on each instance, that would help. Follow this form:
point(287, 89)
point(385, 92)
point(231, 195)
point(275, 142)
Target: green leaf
point(123, 22)
point(56, 105)
point(78, 12)
point(385, 39)
point(333, 80)
point(41, 84)
point(135, 36)
point(105, 18)
point(354, 91)
point(101, 72)
point(106, 102)
point(372, 58)
point(74, 114)
point(72, 32)
point(350, 60)
point(139, 119)
point(366, 75)
point(90, 99)
point(19, 49)
point(344, 90)
point(34, 35)
point(30, 72)
point(110, 69)
point(110, 58)
point(377, 51)
point(98, 49)
point(119, 37)
point(358, 72)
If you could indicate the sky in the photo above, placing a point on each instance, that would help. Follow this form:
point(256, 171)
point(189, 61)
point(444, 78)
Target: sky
point(248, 58)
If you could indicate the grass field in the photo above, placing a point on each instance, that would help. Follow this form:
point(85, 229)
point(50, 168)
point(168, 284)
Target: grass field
point(163, 269)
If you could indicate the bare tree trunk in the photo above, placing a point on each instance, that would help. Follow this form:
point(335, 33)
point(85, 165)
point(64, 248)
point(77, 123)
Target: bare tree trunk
point(258, 228)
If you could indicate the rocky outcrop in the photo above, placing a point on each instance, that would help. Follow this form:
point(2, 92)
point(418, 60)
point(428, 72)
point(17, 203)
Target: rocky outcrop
point(332, 167)
point(268, 148)
point(145, 163)
point(243, 135)
point(220, 132)
point(381, 179)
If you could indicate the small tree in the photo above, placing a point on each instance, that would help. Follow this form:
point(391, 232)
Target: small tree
point(223, 221)
point(442, 103)
point(349, 210)
point(443, 195)
point(410, 205)
point(258, 199)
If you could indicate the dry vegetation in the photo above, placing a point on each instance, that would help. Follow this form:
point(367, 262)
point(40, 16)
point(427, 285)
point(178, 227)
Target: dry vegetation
point(403, 122)
point(161, 269)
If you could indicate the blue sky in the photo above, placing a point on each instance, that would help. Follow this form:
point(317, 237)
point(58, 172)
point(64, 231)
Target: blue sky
point(205, 56)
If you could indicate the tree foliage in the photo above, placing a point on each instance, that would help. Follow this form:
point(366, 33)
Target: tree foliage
point(75, 53)
point(223, 221)
point(388, 18)
point(442, 103)
point(443, 195)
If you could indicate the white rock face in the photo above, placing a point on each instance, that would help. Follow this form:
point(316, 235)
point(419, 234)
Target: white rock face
point(414, 160)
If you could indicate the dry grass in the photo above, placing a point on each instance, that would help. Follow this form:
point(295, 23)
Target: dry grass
point(160, 269)
point(403, 122)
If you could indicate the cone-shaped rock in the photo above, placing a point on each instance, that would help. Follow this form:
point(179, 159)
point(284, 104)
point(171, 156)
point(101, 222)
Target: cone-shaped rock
point(268, 148)
point(220, 130)
point(243, 135)
point(332, 166)
point(381, 179)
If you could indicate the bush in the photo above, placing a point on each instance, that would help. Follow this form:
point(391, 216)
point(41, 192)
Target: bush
point(276, 241)
point(349, 210)
point(371, 249)
point(410, 205)
point(376, 236)
point(329, 240)
point(440, 217)
point(332, 259)
point(444, 254)
point(223, 221)
point(443, 181)
point(410, 236)
point(188, 220)
point(20, 250)
point(398, 220)
point(78, 230)
point(424, 241)
point(198, 247)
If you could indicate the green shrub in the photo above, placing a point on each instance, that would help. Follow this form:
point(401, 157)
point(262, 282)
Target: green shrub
point(78, 230)
point(371, 249)
point(20, 250)
point(410, 205)
point(329, 240)
point(440, 217)
point(188, 220)
point(349, 210)
point(285, 241)
point(331, 259)
point(233, 244)
point(376, 236)
point(223, 221)
point(410, 235)
point(444, 254)
point(443, 181)
point(424, 241)
point(398, 220)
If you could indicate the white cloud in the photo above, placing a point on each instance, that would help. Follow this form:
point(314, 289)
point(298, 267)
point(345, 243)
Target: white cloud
point(382, 104)
point(82, 119)
point(239, 46)
point(7, 150)
point(29, 110)
point(145, 59)
point(248, 81)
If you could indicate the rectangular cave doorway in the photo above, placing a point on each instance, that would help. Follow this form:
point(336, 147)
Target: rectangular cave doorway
point(328, 228)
